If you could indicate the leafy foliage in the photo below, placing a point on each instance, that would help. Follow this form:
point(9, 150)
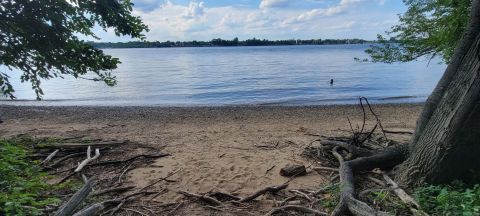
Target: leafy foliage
point(332, 197)
point(449, 199)
point(428, 28)
point(22, 183)
point(40, 39)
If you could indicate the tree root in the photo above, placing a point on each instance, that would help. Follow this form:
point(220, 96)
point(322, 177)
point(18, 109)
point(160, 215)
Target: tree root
point(385, 159)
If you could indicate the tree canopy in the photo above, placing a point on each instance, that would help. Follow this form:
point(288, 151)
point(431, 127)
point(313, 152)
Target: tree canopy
point(41, 39)
point(428, 28)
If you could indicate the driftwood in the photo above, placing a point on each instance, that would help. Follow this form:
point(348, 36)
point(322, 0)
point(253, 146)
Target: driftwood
point(272, 189)
point(94, 209)
point(69, 207)
point(57, 162)
point(89, 158)
point(296, 208)
point(50, 156)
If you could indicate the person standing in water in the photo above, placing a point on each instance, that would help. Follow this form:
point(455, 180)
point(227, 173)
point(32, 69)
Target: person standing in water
point(331, 81)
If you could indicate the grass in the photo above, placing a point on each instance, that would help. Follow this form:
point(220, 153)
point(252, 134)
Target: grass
point(455, 199)
point(23, 187)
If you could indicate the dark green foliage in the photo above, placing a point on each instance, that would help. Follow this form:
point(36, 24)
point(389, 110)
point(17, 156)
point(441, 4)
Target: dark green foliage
point(223, 42)
point(428, 28)
point(453, 199)
point(39, 38)
point(332, 197)
point(23, 187)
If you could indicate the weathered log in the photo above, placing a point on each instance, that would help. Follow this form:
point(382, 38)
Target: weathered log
point(69, 207)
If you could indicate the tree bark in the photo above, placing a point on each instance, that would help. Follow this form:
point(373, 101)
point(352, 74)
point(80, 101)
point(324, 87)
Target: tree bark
point(445, 145)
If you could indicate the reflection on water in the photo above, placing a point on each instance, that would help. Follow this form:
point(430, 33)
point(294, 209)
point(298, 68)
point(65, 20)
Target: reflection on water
point(289, 75)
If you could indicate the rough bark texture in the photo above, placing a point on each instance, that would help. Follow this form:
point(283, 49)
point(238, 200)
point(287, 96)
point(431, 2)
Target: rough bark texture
point(445, 144)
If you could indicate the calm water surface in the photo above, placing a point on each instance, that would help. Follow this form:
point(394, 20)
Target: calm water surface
point(284, 75)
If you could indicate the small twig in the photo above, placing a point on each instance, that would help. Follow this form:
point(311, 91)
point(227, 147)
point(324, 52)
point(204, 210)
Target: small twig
point(49, 157)
point(110, 190)
point(204, 198)
point(377, 181)
point(319, 169)
point(296, 208)
point(398, 132)
point(270, 169)
point(135, 211)
point(123, 173)
point(258, 193)
point(223, 194)
point(376, 117)
point(302, 195)
point(63, 159)
point(160, 179)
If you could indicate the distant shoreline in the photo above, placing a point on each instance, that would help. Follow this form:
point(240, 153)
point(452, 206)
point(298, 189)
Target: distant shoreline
point(226, 43)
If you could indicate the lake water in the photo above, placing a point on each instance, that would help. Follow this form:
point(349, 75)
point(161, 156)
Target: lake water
point(282, 75)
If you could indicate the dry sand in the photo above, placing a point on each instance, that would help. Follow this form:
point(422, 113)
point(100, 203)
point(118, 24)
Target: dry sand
point(216, 148)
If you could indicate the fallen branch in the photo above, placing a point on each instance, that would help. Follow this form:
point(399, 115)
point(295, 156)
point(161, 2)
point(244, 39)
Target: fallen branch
point(224, 195)
point(89, 158)
point(296, 208)
point(407, 199)
point(49, 157)
point(319, 169)
point(160, 179)
point(301, 194)
point(204, 198)
point(80, 145)
point(398, 132)
point(111, 190)
point(63, 159)
point(77, 198)
point(273, 189)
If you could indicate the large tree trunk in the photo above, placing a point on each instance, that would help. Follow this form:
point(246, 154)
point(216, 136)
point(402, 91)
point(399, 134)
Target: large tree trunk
point(446, 143)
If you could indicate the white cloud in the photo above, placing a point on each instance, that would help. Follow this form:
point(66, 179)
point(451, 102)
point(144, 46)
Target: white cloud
point(274, 3)
point(197, 20)
point(195, 9)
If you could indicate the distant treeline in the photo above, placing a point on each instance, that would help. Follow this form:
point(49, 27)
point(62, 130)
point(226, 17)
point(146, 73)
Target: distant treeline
point(222, 42)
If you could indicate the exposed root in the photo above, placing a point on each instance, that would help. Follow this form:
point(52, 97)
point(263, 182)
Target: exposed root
point(386, 159)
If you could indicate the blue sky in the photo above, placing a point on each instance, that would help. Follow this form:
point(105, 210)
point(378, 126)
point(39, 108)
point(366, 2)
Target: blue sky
point(180, 20)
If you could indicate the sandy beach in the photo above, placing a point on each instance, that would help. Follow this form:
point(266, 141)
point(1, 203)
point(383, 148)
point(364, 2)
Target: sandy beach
point(215, 148)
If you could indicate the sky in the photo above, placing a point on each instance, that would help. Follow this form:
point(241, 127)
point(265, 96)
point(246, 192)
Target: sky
point(186, 20)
